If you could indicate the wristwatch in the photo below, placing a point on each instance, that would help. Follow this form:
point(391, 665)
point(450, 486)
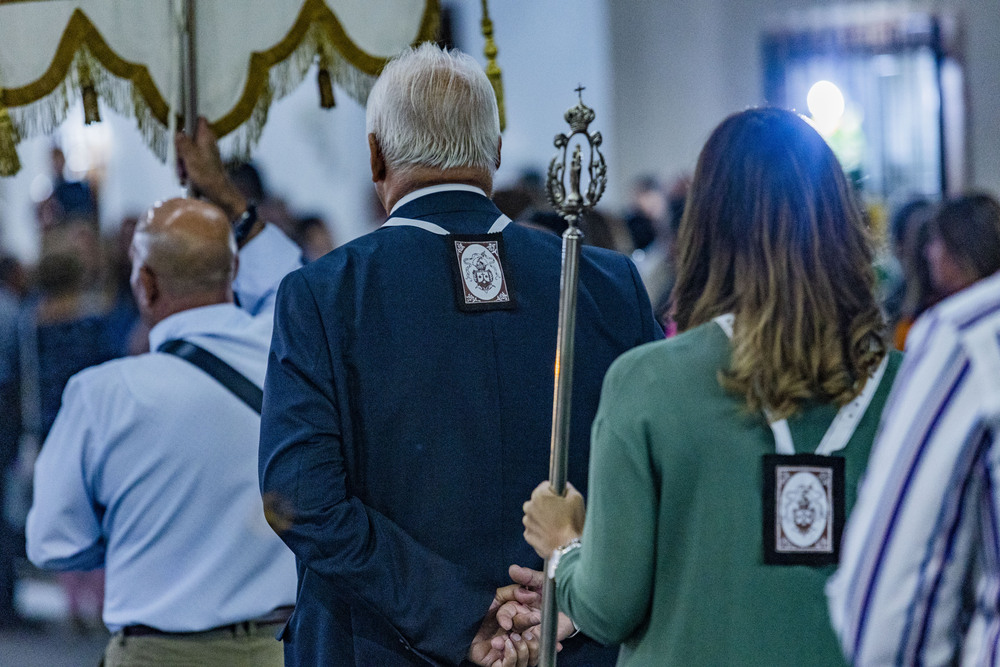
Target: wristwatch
point(554, 559)
point(243, 224)
point(559, 552)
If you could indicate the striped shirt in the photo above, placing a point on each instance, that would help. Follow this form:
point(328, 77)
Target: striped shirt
point(919, 580)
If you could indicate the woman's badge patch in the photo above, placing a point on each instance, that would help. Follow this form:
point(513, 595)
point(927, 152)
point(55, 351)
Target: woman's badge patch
point(803, 509)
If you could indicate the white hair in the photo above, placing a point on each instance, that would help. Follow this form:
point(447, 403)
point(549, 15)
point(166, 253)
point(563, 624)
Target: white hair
point(434, 108)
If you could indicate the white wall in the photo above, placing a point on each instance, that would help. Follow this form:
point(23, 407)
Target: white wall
point(668, 61)
point(546, 49)
point(982, 75)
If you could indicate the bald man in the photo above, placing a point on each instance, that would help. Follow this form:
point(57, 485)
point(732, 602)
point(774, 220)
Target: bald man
point(150, 469)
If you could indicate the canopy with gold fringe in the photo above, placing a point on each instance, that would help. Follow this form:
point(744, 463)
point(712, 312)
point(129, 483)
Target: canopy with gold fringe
point(126, 53)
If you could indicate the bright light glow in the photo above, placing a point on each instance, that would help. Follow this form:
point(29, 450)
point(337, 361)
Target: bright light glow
point(826, 104)
point(87, 147)
point(40, 188)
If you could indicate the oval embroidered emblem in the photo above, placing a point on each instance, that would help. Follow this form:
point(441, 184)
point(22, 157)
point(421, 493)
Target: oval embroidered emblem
point(481, 272)
point(804, 509)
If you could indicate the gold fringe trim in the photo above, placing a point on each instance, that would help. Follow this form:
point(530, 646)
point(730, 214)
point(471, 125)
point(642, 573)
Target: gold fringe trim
point(83, 61)
point(316, 33)
point(492, 69)
point(123, 95)
point(10, 164)
point(39, 107)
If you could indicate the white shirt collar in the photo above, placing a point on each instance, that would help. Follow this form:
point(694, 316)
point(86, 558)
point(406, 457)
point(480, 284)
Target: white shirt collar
point(221, 317)
point(433, 189)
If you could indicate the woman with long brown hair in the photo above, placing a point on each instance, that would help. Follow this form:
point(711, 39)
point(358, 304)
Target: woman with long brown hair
point(724, 460)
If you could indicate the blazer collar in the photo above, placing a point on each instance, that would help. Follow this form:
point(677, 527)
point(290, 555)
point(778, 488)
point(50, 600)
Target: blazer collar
point(433, 189)
point(445, 200)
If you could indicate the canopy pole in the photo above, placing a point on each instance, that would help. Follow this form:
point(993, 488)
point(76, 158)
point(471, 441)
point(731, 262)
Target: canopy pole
point(189, 69)
point(189, 79)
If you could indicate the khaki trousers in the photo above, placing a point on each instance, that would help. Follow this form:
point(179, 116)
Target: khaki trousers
point(250, 645)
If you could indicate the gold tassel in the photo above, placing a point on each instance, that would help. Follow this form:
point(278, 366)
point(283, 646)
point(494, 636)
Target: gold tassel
point(492, 69)
point(326, 100)
point(9, 138)
point(91, 112)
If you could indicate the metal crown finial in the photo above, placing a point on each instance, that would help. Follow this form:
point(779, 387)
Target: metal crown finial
point(571, 203)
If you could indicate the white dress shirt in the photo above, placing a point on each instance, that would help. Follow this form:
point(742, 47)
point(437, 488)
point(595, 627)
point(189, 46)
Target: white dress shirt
point(922, 541)
point(150, 471)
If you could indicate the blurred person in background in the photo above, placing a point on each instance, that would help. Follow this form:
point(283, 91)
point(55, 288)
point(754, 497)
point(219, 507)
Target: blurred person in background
point(524, 197)
point(910, 232)
point(312, 234)
point(514, 202)
point(600, 229)
point(11, 536)
point(657, 263)
point(69, 200)
point(126, 331)
point(700, 545)
point(604, 230)
point(964, 242)
point(542, 219)
point(13, 277)
point(647, 209)
point(250, 182)
point(65, 330)
point(69, 328)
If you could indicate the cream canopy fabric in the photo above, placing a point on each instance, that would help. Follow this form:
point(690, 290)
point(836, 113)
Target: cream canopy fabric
point(248, 53)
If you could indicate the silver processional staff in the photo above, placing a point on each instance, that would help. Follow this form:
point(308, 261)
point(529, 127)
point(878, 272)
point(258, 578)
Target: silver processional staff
point(571, 204)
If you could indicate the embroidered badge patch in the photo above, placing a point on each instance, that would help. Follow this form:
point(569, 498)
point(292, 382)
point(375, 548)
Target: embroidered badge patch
point(803, 509)
point(480, 280)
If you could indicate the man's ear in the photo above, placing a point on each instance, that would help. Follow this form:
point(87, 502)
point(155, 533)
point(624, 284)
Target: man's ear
point(377, 161)
point(149, 287)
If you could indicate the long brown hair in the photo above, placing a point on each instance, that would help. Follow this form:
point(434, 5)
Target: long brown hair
point(772, 233)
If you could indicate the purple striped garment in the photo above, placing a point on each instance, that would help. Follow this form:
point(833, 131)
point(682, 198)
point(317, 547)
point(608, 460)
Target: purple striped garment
point(919, 578)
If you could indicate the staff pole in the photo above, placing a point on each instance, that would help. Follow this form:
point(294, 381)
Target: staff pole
point(571, 204)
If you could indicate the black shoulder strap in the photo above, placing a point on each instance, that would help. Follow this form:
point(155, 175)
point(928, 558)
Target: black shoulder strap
point(225, 374)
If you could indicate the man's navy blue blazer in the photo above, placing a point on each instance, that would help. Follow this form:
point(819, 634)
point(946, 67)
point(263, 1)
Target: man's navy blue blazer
point(402, 435)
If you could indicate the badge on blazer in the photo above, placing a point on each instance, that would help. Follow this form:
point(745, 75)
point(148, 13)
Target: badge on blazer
point(478, 266)
point(803, 509)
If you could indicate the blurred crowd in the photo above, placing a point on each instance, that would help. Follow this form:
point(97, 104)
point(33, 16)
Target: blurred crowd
point(925, 252)
point(74, 307)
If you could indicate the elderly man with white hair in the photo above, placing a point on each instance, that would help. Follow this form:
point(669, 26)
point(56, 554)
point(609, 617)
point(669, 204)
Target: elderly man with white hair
point(150, 468)
point(408, 400)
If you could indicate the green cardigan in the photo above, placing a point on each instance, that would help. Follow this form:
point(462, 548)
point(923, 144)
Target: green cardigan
point(671, 564)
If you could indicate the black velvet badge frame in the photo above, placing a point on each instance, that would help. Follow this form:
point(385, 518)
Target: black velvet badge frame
point(770, 464)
